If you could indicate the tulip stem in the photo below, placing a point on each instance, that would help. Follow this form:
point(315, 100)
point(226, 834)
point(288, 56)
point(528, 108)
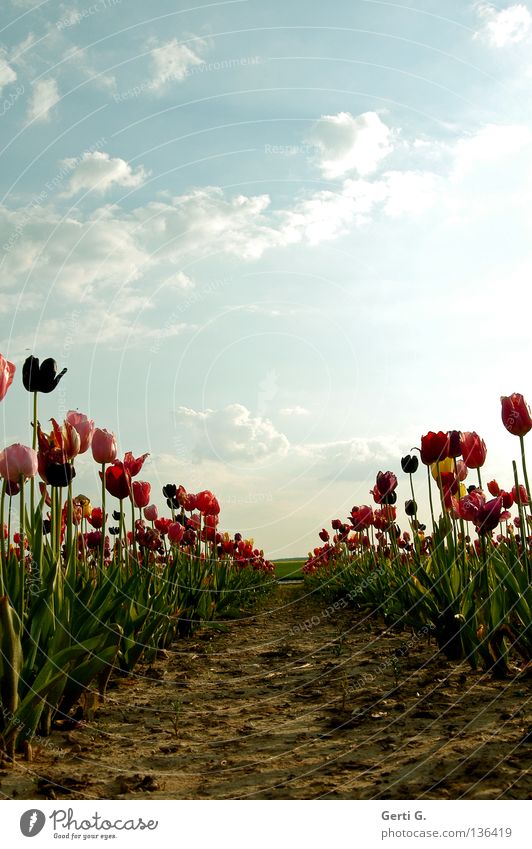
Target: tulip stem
point(522, 522)
point(479, 479)
point(22, 552)
point(525, 475)
point(102, 547)
point(135, 553)
point(430, 501)
point(2, 539)
point(34, 446)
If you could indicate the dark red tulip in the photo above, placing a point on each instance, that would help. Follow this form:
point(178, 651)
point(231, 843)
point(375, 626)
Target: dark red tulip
point(469, 505)
point(515, 414)
point(488, 516)
point(507, 499)
point(455, 443)
point(386, 482)
point(118, 480)
point(473, 450)
point(324, 535)
point(434, 447)
point(361, 517)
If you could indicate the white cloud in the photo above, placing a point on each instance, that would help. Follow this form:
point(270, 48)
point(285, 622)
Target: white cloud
point(171, 61)
point(44, 96)
point(232, 434)
point(505, 26)
point(179, 281)
point(350, 459)
point(347, 143)
point(294, 411)
point(98, 172)
point(411, 192)
point(491, 144)
point(7, 74)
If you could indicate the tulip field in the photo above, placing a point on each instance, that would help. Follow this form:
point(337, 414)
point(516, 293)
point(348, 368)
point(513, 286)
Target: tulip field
point(92, 593)
point(88, 592)
point(466, 578)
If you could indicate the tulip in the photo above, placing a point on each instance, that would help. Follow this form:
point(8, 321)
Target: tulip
point(488, 516)
point(473, 450)
point(132, 464)
point(189, 502)
point(409, 464)
point(103, 446)
point(443, 467)
point(469, 505)
point(84, 428)
point(507, 499)
point(455, 443)
point(207, 503)
point(522, 497)
point(434, 447)
point(43, 378)
point(386, 482)
point(151, 513)
point(361, 517)
point(515, 414)
point(118, 480)
point(162, 525)
point(96, 518)
point(18, 461)
point(7, 370)
point(141, 493)
point(494, 488)
point(324, 535)
point(176, 532)
point(410, 508)
point(58, 474)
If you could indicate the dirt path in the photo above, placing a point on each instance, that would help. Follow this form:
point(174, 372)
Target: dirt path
point(294, 702)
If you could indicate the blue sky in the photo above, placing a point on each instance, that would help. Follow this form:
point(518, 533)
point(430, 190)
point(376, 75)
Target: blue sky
point(273, 243)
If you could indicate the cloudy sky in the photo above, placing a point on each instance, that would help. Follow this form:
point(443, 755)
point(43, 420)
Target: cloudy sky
point(273, 243)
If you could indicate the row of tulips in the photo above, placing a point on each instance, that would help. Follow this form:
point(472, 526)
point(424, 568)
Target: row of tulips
point(467, 577)
point(85, 590)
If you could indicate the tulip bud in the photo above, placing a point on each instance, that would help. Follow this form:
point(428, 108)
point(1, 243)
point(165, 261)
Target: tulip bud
point(151, 513)
point(410, 508)
point(40, 378)
point(103, 446)
point(515, 414)
point(7, 371)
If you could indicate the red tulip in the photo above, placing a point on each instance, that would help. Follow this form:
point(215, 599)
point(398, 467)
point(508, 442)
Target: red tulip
point(469, 505)
point(523, 496)
point(488, 516)
point(434, 447)
point(324, 535)
point(494, 488)
point(141, 493)
point(151, 513)
point(162, 525)
point(361, 517)
point(118, 480)
point(207, 503)
point(7, 370)
point(84, 427)
point(176, 532)
point(103, 446)
point(96, 517)
point(386, 482)
point(60, 445)
point(515, 414)
point(189, 502)
point(18, 461)
point(473, 450)
point(507, 499)
point(132, 464)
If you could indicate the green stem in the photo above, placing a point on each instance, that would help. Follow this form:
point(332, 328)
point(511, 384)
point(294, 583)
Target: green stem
point(522, 522)
point(135, 552)
point(34, 446)
point(525, 474)
point(430, 501)
point(22, 552)
point(102, 547)
point(2, 540)
point(479, 478)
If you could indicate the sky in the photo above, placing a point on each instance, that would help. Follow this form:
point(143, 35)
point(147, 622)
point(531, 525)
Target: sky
point(273, 243)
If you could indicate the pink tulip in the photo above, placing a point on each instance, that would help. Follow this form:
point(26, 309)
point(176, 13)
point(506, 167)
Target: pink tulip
point(141, 493)
point(176, 532)
point(84, 427)
point(151, 513)
point(103, 446)
point(7, 370)
point(18, 461)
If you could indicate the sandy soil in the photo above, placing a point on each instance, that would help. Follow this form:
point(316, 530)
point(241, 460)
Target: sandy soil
point(294, 703)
